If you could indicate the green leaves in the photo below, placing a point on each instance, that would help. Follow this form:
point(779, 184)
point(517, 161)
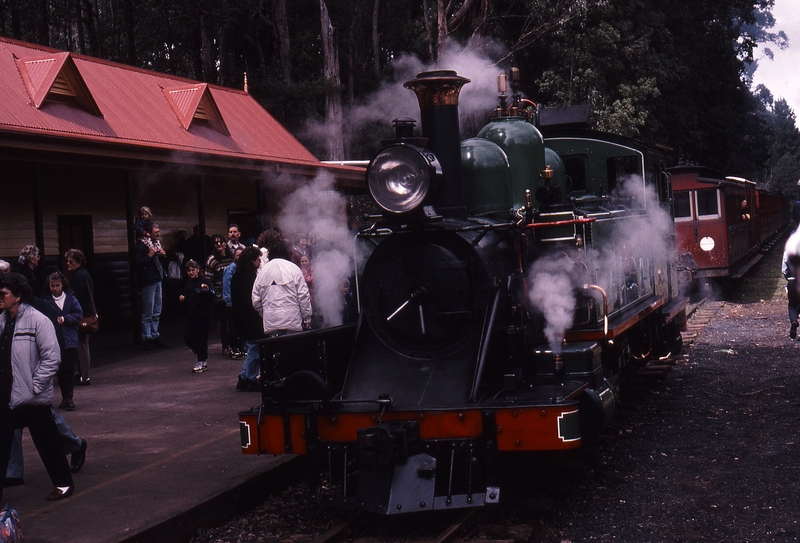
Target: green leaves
point(668, 71)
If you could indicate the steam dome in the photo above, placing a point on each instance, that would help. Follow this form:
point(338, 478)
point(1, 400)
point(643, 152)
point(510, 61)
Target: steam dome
point(485, 175)
point(524, 147)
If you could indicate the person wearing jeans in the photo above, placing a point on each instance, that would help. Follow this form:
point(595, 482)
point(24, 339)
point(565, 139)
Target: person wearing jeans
point(151, 312)
point(73, 445)
point(248, 320)
point(149, 258)
point(29, 357)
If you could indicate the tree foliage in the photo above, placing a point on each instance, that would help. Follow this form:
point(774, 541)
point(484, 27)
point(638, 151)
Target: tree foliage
point(668, 71)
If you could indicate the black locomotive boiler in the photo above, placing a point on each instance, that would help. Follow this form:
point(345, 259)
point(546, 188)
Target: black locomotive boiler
point(500, 304)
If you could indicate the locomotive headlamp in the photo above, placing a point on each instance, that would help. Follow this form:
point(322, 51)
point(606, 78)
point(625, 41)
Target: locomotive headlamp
point(401, 176)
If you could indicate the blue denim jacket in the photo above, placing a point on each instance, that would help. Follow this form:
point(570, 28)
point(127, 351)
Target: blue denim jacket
point(226, 283)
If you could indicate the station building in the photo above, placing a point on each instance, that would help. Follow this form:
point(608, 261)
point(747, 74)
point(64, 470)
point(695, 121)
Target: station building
point(84, 143)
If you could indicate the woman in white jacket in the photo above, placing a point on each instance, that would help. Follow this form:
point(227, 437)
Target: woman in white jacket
point(29, 358)
point(280, 293)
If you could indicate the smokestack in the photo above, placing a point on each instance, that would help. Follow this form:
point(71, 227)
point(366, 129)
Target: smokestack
point(437, 93)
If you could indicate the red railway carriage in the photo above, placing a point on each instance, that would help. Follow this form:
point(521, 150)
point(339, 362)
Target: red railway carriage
point(773, 213)
point(722, 222)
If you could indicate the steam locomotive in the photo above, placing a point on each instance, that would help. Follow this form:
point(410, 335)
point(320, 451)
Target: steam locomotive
point(512, 281)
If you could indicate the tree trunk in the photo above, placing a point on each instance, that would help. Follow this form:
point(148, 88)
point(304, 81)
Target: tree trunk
point(449, 24)
point(351, 53)
point(282, 33)
point(79, 18)
point(92, 23)
point(130, 32)
point(333, 98)
point(226, 64)
point(43, 23)
point(428, 32)
point(441, 23)
point(376, 50)
point(207, 47)
point(195, 51)
point(16, 28)
point(257, 45)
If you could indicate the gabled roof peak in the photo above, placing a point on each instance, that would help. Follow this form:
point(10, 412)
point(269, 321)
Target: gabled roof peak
point(190, 102)
point(55, 76)
point(137, 113)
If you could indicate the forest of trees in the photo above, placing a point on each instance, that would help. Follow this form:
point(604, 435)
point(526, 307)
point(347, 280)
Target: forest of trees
point(666, 71)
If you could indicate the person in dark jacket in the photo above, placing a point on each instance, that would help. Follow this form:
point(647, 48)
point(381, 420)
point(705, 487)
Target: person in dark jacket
point(248, 320)
point(69, 313)
point(150, 258)
point(198, 297)
point(198, 247)
point(83, 288)
point(220, 258)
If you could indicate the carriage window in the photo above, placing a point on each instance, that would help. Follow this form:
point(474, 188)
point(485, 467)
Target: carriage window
point(707, 205)
point(682, 208)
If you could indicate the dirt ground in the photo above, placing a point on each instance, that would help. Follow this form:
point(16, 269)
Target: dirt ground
point(713, 453)
point(706, 452)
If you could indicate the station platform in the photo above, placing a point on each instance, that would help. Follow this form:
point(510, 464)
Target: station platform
point(164, 455)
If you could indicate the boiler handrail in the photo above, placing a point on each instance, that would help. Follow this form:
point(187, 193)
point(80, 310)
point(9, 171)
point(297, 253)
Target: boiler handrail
point(535, 225)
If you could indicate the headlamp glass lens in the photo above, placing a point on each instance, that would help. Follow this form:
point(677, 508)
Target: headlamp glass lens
point(399, 178)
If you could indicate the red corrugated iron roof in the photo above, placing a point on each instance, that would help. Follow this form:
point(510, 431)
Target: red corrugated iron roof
point(136, 107)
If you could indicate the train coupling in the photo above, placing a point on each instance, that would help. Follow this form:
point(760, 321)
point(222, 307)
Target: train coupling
point(388, 442)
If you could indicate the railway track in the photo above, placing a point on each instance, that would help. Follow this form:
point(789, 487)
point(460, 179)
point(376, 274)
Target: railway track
point(699, 315)
point(473, 526)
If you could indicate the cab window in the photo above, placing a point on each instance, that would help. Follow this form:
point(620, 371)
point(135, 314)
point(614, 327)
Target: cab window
point(575, 167)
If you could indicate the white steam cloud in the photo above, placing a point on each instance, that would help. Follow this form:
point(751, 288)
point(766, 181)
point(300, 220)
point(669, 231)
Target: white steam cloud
point(392, 100)
point(638, 239)
point(331, 270)
point(625, 260)
point(316, 209)
point(552, 293)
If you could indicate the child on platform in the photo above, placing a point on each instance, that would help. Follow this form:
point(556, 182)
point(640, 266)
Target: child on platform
point(198, 297)
point(66, 306)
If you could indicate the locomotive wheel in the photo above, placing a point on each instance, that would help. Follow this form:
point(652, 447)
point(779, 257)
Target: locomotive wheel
point(642, 341)
point(674, 340)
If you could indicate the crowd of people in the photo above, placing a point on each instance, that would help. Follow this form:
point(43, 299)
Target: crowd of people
point(253, 290)
point(249, 295)
point(249, 290)
point(41, 339)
